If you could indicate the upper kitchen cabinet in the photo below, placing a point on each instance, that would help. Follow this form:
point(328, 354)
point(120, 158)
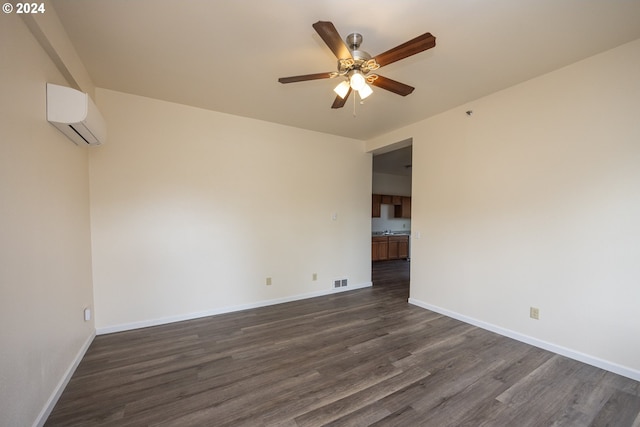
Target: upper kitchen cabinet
point(376, 200)
point(401, 204)
point(403, 210)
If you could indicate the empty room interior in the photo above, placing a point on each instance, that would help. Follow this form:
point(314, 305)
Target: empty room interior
point(287, 213)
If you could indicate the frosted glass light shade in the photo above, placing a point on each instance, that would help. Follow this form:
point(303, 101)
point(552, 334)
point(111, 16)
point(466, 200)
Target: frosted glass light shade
point(342, 89)
point(357, 81)
point(365, 91)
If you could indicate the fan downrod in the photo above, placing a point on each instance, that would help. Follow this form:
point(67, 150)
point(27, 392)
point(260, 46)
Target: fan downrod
point(353, 41)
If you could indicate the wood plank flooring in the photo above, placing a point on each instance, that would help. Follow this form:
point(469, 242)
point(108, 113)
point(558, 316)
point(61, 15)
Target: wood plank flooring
point(358, 358)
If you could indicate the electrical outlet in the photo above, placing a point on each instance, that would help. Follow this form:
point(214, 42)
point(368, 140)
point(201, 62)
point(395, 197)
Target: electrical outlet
point(314, 276)
point(87, 314)
point(268, 281)
point(534, 313)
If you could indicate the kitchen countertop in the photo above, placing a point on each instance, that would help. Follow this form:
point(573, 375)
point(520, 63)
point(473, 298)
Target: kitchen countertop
point(390, 233)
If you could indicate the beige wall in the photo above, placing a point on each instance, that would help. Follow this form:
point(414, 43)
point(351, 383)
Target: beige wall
point(45, 253)
point(192, 210)
point(535, 201)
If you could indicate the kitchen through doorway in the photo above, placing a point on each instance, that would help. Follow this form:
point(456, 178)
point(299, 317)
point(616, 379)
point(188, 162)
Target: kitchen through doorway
point(391, 205)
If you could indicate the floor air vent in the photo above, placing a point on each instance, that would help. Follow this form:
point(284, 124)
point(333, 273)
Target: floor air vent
point(340, 283)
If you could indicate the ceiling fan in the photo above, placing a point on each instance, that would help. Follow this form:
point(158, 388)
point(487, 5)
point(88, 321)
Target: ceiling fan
point(357, 66)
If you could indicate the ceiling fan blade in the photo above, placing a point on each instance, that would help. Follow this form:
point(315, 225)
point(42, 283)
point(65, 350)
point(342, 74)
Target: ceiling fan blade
point(413, 46)
point(392, 86)
point(331, 37)
point(304, 78)
point(339, 102)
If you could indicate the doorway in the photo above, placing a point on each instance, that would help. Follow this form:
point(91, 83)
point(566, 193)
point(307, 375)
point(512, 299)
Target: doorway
point(391, 206)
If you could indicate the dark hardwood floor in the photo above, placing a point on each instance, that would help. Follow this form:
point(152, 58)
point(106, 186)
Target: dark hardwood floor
point(357, 358)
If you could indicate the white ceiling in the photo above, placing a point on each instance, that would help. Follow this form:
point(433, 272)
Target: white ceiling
point(227, 55)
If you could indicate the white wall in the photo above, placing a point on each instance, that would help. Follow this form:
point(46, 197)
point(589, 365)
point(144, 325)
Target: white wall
point(192, 210)
point(387, 221)
point(535, 201)
point(45, 253)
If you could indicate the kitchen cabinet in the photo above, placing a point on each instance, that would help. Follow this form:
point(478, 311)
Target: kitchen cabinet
point(403, 210)
point(389, 247)
point(376, 200)
point(403, 248)
point(401, 205)
point(379, 248)
point(398, 247)
point(393, 249)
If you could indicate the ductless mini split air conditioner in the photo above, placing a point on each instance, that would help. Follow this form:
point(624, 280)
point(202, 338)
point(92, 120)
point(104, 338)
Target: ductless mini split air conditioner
point(75, 115)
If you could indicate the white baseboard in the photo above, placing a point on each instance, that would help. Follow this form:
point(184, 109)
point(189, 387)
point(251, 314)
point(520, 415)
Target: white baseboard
point(57, 392)
point(189, 316)
point(563, 351)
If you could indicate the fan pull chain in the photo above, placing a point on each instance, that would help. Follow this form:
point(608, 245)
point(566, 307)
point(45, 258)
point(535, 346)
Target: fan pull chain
point(354, 105)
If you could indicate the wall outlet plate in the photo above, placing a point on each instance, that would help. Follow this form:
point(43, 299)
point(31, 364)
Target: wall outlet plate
point(534, 313)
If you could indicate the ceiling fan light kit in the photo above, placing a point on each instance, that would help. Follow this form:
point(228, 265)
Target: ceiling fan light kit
point(365, 91)
point(357, 66)
point(356, 80)
point(342, 89)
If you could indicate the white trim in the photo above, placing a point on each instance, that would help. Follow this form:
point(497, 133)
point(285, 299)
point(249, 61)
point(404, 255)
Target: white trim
point(572, 354)
point(57, 392)
point(189, 316)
